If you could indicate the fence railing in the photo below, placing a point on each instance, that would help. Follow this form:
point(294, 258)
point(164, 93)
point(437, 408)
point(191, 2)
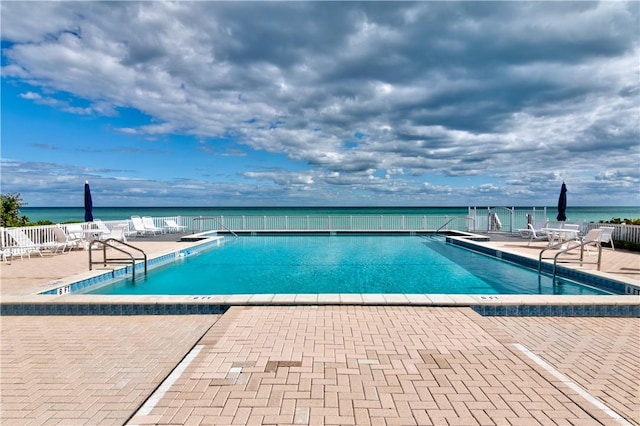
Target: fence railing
point(477, 221)
point(362, 223)
point(621, 232)
point(506, 219)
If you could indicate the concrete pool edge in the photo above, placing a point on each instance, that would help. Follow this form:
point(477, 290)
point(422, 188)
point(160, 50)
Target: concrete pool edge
point(487, 305)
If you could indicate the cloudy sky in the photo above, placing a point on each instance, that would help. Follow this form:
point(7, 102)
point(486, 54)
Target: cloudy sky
point(321, 103)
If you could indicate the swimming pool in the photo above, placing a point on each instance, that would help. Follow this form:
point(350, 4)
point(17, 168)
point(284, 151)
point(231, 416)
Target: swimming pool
point(340, 264)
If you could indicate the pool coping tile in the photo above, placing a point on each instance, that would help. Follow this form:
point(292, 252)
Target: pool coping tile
point(261, 298)
point(329, 298)
point(350, 298)
point(373, 298)
point(418, 299)
point(441, 299)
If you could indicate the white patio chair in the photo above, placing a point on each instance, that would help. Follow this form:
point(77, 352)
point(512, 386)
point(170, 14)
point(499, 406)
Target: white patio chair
point(63, 239)
point(103, 231)
point(118, 233)
point(75, 236)
point(607, 235)
point(23, 244)
point(149, 226)
point(538, 226)
point(532, 234)
point(6, 254)
point(138, 227)
point(571, 235)
point(591, 238)
point(172, 226)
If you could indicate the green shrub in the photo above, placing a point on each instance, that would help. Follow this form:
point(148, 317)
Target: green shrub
point(618, 221)
point(10, 205)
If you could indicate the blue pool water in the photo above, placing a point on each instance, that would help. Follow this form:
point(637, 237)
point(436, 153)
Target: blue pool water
point(340, 264)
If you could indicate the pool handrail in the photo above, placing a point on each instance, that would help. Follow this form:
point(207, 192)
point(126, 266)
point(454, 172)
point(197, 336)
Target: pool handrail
point(582, 244)
point(215, 220)
point(453, 218)
point(132, 259)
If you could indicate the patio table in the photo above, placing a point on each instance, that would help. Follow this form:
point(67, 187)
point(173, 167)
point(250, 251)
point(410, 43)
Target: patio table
point(561, 235)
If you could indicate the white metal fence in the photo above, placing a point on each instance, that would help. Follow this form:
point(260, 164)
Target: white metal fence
point(363, 223)
point(478, 220)
point(507, 219)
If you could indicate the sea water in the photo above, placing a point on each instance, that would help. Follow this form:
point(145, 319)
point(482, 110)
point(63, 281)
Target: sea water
point(76, 214)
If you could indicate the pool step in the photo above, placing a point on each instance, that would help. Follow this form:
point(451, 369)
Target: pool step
point(434, 237)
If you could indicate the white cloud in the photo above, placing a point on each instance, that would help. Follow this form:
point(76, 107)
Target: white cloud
point(493, 90)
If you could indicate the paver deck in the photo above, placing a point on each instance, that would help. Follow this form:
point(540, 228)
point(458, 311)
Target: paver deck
point(87, 370)
point(311, 364)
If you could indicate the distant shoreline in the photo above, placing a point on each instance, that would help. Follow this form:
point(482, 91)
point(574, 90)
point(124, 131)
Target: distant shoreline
point(68, 214)
point(322, 207)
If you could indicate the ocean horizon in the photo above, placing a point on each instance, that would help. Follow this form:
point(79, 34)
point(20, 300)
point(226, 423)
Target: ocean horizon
point(76, 214)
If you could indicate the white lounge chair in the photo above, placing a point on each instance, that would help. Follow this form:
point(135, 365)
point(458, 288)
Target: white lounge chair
point(103, 231)
point(75, 236)
point(532, 234)
point(63, 239)
point(172, 226)
point(592, 238)
point(539, 227)
point(6, 254)
point(607, 235)
point(138, 227)
point(23, 244)
point(149, 226)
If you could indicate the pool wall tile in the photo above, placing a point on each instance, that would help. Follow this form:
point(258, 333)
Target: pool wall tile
point(559, 310)
point(511, 310)
point(109, 309)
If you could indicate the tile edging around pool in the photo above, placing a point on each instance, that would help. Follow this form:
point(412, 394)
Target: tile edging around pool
point(198, 308)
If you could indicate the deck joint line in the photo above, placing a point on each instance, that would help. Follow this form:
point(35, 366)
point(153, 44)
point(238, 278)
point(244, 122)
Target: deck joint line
point(571, 384)
point(156, 396)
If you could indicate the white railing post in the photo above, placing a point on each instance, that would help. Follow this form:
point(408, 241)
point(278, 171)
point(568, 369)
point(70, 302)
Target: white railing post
point(513, 212)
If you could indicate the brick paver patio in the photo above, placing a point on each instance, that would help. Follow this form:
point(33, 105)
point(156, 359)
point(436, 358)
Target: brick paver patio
point(344, 365)
point(310, 364)
point(88, 370)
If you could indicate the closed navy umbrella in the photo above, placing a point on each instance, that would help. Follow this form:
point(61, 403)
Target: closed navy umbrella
point(562, 204)
point(88, 203)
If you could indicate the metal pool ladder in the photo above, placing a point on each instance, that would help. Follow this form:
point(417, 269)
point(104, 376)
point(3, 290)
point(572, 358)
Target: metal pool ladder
point(201, 218)
point(580, 245)
point(131, 259)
